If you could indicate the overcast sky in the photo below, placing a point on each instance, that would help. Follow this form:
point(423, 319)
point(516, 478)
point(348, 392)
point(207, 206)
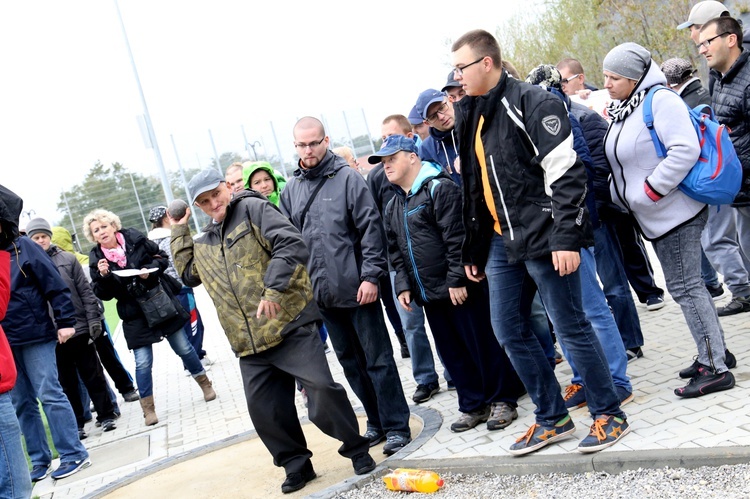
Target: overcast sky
point(70, 97)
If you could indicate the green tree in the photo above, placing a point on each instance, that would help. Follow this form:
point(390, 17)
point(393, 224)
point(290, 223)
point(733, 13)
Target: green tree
point(226, 159)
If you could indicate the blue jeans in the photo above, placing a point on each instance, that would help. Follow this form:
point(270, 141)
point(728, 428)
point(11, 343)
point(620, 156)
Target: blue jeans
point(708, 273)
point(194, 326)
point(15, 482)
point(512, 288)
point(721, 244)
point(540, 327)
point(360, 340)
point(144, 360)
point(598, 313)
point(422, 361)
point(611, 270)
point(37, 378)
point(679, 253)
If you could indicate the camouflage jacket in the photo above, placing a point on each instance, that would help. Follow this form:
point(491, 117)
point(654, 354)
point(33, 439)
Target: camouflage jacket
point(254, 253)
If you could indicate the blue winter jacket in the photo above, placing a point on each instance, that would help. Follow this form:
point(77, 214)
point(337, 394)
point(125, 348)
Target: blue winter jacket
point(35, 282)
point(441, 148)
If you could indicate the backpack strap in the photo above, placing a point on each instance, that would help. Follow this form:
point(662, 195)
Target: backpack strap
point(648, 119)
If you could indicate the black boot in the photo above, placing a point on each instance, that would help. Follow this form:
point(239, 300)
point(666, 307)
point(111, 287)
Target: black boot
point(402, 342)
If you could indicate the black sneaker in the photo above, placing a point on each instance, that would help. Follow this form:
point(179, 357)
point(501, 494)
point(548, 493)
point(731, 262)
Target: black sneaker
point(109, 425)
point(374, 436)
point(634, 353)
point(451, 385)
point(716, 292)
point(425, 392)
point(705, 382)
point(395, 443)
point(82, 434)
point(363, 463)
point(131, 396)
point(654, 302)
point(690, 372)
point(297, 480)
point(738, 305)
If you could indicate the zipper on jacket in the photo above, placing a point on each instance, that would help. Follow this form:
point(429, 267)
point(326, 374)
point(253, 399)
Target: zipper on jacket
point(411, 252)
point(234, 293)
point(502, 199)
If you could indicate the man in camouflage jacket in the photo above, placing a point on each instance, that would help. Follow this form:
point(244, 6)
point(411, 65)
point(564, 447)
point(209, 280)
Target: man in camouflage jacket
point(251, 260)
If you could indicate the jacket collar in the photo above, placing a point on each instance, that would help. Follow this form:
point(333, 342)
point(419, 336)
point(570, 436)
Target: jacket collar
point(735, 68)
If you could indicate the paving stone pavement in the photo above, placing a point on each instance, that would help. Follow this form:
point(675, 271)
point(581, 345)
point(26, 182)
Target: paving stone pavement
point(659, 420)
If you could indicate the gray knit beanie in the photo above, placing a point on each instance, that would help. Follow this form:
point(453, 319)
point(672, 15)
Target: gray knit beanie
point(629, 60)
point(38, 225)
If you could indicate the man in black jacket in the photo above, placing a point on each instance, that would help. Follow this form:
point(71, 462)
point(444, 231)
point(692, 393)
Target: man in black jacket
point(526, 221)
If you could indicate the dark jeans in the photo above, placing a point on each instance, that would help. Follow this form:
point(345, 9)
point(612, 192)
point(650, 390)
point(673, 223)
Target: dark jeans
point(77, 357)
point(512, 288)
point(194, 326)
point(463, 336)
point(269, 377)
point(635, 259)
point(611, 270)
point(361, 343)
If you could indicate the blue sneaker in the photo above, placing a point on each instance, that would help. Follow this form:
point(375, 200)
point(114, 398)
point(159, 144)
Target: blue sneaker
point(575, 396)
point(40, 472)
point(605, 431)
point(540, 436)
point(67, 469)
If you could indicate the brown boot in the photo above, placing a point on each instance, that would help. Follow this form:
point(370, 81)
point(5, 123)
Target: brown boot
point(149, 413)
point(208, 392)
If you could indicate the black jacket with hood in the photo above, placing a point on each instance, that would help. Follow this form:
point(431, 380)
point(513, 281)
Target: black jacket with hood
point(84, 301)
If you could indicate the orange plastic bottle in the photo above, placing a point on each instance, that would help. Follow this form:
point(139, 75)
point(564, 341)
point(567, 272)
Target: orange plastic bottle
point(411, 480)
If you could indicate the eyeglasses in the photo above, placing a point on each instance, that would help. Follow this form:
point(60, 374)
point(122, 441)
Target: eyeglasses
point(707, 42)
point(311, 145)
point(460, 71)
point(567, 80)
point(441, 110)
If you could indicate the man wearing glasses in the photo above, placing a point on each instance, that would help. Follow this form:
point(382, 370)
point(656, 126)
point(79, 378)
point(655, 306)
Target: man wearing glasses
point(720, 42)
point(525, 220)
point(441, 147)
point(331, 206)
point(573, 80)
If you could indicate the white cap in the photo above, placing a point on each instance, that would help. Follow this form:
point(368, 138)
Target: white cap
point(702, 12)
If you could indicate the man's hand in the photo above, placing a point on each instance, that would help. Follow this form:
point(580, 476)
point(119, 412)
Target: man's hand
point(566, 262)
point(583, 93)
point(404, 298)
point(269, 308)
point(367, 293)
point(458, 295)
point(64, 334)
point(183, 220)
point(472, 272)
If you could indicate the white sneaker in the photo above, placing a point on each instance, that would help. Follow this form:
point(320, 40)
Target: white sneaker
point(206, 362)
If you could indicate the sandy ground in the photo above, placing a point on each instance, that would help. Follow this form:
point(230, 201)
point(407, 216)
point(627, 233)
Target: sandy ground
point(248, 471)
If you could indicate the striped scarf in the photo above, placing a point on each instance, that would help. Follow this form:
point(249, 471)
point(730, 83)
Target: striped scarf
point(619, 112)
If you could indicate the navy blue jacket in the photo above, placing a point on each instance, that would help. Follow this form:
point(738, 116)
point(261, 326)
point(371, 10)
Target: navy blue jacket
point(441, 148)
point(35, 282)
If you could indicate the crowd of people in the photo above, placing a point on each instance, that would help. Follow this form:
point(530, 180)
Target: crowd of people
point(503, 210)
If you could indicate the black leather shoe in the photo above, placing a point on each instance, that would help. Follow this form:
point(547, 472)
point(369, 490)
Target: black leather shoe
point(297, 480)
point(363, 463)
point(705, 382)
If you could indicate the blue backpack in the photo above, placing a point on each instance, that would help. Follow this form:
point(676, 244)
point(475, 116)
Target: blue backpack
point(717, 175)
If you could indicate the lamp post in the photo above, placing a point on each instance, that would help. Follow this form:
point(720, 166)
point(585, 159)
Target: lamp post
point(253, 145)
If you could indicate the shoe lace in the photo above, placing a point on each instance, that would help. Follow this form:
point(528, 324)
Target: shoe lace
point(529, 433)
point(571, 390)
point(597, 429)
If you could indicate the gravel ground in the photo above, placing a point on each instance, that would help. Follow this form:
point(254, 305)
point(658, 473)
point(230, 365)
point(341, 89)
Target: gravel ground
point(728, 482)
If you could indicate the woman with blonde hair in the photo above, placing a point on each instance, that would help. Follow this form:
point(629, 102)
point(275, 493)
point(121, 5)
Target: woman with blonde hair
point(127, 266)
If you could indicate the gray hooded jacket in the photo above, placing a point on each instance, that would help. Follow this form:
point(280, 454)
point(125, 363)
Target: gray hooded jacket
point(632, 158)
point(342, 230)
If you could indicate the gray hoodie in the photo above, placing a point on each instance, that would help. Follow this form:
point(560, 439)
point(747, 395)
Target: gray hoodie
point(632, 158)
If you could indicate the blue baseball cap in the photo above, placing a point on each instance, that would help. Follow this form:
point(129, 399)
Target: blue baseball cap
point(414, 117)
point(429, 96)
point(392, 145)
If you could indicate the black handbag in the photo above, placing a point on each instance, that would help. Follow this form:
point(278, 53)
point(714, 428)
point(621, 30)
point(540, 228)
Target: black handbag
point(158, 307)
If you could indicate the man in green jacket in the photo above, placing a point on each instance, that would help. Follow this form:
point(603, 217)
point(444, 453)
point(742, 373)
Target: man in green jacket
point(251, 260)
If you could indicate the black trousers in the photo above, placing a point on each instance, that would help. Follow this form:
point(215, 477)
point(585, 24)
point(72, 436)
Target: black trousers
point(269, 381)
point(480, 368)
point(111, 362)
point(77, 357)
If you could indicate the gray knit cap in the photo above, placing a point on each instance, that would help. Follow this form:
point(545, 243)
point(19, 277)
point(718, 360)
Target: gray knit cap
point(629, 60)
point(37, 225)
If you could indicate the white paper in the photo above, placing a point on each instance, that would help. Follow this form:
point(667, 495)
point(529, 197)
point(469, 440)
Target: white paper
point(132, 272)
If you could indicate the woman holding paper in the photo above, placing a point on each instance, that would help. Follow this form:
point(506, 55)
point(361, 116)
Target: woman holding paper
point(126, 265)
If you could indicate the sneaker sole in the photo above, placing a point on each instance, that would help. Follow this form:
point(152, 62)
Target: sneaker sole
point(83, 466)
point(597, 448)
point(425, 399)
point(39, 479)
point(652, 308)
point(293, 488)
point(544, 443)
point(466, 428)
point(365, 470)
point(710, 388)
point(627, 399)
